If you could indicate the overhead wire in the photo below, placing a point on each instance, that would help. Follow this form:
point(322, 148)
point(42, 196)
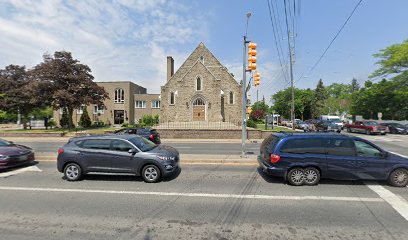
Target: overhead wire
point(331, 42)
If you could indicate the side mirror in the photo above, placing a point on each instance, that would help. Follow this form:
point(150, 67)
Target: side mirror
point(133, 151)
point(384, 154)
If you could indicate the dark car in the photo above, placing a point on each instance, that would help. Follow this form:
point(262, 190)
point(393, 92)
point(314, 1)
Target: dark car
point(327, 126)
point(130, 154)
point(304, 158)
point(396, 128)
point(13, 155)
point(150, 134)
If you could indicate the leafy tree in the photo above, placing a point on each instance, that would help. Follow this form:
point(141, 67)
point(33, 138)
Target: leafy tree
point(303, 99)
point(393, 60)
point(257, 115)
point(14, 83)
point(354, 85)
point(85, 120)
point(63, 82)
point(319, 99)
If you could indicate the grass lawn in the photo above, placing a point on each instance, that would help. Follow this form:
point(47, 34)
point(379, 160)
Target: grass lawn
point(261, 126)
point(59, 130)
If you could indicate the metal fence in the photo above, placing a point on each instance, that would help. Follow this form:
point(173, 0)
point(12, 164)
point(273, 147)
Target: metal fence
point(198, 125)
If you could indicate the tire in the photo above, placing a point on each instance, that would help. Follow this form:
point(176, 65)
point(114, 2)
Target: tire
point(72, 172)
point(151, 173)
point(311, 176)
point(398, 178)
point(368, 132)
point(349, 130)
point(296, 177)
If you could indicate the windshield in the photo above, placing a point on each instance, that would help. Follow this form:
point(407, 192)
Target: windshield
point(142, 143)
point(371, 123)
point(4, 143)
point(335, 120)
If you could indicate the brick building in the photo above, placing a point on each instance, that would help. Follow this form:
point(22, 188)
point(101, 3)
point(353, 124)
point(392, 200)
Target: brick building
point(201, 90)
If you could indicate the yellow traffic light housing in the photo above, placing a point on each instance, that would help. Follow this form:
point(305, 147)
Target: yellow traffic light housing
point(257, 79)
point(249, 110)
point(251, 56)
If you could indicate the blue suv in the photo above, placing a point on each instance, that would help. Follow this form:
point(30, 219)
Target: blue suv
point(304, 158)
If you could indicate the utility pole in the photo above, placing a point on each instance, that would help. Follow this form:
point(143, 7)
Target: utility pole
point(257, 95)
point(244, 101)
point(292, 112)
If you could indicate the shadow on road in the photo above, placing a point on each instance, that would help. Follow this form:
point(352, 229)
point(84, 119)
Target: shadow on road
point(29, 164)
point(123, 177)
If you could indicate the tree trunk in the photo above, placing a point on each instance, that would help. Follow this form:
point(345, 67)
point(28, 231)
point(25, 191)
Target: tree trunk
point(70, 113)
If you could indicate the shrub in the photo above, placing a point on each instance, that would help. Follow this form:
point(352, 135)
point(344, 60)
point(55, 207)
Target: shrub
point(251, 123)
point(64, 121)
point(85, 120)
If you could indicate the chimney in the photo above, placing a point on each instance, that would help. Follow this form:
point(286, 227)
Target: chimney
point(170, 67)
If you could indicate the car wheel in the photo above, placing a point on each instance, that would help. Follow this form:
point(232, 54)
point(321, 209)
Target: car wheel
point(72, 172)
point(398, 178)
point(311, 176)
point(151, 174)
point(368, 132)
point(296, 177)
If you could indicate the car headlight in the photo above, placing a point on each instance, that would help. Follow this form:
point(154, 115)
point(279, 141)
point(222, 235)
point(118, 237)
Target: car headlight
point(165, 158)
point(2, 157)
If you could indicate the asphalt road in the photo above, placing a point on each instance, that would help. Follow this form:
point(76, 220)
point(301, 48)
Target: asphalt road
point(391, 142)
point(202, 202)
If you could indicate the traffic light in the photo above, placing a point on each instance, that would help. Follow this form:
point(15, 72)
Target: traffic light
point(257, 79)
point(249, 110)
point(251, 56)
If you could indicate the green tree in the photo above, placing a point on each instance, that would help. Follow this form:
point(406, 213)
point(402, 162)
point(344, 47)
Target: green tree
point(63, 82)
point(393, 60)
point(319, 99)
point(85, 120)
point(354, 85)
point(64, 121)
point(282, 101)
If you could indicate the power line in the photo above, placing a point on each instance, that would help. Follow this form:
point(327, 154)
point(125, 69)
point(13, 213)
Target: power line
point(276, 41)
point(331, 42)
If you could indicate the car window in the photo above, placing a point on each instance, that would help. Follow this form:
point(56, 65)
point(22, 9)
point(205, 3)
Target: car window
point(103, 144)
point(370, 123)
point(268, 145)
point(120, 145)
point(4, 143)
point(366, 150)
point(142, 143)
point(340, 147)
point(304, 145)
point(132, 131)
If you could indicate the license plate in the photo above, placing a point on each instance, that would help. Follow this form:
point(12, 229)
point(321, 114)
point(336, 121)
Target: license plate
point(382, 131)
point(22, 158)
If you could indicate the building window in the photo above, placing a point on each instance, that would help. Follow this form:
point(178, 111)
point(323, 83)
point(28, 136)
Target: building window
point(231, 98)
point(202, 59)
point(172, 98)
point(156, 104)
point(198, 84)
point(98, 109)
point(61, 110)
point(80, 110)
point(140, 104)
point(119, 95)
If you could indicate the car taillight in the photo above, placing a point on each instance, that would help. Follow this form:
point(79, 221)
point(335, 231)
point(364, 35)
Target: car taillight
point(274, 158)
point(60, 151)
point(152, 136)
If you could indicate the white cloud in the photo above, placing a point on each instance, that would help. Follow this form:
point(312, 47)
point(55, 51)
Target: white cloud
point(119, 40)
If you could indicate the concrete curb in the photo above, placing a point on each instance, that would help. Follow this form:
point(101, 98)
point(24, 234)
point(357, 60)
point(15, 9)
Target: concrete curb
point(185, 159)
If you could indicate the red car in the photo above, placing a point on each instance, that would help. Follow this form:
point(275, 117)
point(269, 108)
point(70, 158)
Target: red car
point(13, 155)
point(367, 127)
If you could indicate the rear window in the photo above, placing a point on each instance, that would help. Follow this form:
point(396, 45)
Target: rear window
point(268, 146)
point(303, 145)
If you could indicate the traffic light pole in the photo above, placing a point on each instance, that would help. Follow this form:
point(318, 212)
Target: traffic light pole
point(244, 101)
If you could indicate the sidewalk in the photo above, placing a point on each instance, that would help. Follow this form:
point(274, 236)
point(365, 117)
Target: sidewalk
point(184, 159)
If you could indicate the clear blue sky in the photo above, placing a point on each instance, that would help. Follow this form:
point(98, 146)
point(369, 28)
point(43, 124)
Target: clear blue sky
point(130, 39)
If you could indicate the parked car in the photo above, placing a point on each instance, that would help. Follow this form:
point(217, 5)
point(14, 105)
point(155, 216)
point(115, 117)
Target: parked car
point(299, 124)
point(311, 125)
point(327, 126)
point(367, 127)
point(305, 158)
point(13, 155)
point(396, 128)
point(150, 134)
point(131, 154)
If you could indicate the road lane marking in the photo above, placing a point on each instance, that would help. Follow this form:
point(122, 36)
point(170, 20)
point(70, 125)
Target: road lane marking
point(208, 195)
point(398, 203)
point(21, 170)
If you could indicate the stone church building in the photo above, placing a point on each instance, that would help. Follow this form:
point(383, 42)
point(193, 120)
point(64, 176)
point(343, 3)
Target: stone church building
point(201, 90)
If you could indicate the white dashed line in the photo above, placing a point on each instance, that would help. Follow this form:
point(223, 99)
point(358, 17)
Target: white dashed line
point(21, 170)
point(209, 195)
point(398, 203)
